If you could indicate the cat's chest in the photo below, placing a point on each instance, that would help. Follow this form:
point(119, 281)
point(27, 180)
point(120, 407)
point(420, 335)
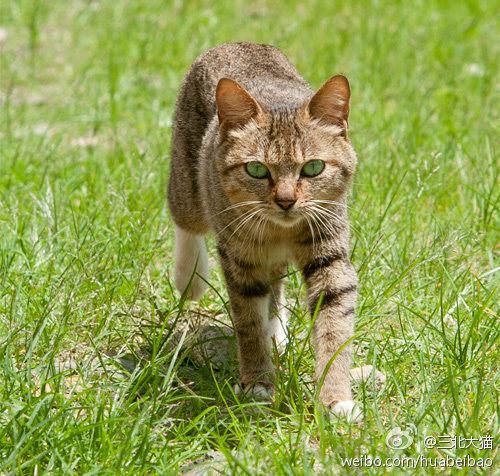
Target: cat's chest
point(266, 249)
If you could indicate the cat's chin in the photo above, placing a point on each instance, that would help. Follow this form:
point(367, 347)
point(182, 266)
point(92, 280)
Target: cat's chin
point(287, 221)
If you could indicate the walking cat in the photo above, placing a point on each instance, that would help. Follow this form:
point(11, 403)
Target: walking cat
point(265, 163)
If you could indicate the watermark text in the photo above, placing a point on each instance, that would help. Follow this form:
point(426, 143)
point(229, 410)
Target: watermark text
point(418, 462)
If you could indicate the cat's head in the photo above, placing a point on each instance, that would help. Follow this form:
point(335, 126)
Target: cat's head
point(293, 162)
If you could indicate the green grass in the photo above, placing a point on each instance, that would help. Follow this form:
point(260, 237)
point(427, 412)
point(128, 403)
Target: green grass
point(87, 94)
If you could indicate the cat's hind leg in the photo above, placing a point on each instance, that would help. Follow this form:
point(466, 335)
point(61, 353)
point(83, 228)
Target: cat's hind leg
point(191, 263)
point(278, 315)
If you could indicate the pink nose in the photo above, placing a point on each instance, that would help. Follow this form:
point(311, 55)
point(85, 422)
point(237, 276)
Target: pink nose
point(285, 204)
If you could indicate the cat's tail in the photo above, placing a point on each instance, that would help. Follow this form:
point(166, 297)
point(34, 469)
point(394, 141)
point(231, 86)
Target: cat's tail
point(191, 264)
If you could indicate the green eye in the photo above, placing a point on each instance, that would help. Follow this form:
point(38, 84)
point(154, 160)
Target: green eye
point(313, 168)
point(257, 170)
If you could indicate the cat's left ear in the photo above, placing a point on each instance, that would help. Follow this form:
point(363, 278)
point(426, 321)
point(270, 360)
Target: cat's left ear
point(331, 102)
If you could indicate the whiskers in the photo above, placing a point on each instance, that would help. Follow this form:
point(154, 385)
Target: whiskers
point(244, 218)
point(253, 218)
point(334, 203)
point(322, 216)
point(241, 204)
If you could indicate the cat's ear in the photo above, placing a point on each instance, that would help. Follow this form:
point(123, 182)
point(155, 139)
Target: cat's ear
point(331, 102)
point(235, 106)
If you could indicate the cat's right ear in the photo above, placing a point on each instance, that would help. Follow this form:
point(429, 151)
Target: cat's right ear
point(235, 106)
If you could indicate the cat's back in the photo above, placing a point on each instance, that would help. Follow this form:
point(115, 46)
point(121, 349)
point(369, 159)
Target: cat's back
point(263, 70)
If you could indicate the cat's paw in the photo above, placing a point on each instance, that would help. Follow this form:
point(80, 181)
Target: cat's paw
point(194, 288)
point(257, 390)
point(347, 409)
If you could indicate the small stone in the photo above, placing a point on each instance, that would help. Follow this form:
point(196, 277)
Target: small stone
point(210, 344)
point(213, 346)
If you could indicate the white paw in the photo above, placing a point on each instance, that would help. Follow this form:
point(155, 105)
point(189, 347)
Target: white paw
point(347, 409)
point(190, 253)
point(196, 289)
point(256, 390)
point(261, 391)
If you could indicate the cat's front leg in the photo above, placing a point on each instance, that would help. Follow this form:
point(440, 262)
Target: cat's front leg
point(249, 292)
point(333, 277)
point(250, 315)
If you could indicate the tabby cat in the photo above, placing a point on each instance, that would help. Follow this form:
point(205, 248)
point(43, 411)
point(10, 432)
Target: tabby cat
point(265, 163)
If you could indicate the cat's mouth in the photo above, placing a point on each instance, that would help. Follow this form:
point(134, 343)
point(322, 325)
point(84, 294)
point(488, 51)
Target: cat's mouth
point(287, 218)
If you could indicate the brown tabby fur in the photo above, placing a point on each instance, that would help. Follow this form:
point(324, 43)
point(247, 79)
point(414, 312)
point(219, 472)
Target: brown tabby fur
point(241, 103)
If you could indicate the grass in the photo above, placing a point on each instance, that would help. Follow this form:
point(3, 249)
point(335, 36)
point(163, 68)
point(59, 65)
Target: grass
point(87, 94)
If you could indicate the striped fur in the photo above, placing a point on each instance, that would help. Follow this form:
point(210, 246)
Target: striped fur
point(242, 103)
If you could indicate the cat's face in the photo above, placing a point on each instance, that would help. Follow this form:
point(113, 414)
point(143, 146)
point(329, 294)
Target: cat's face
point(294, 167)
point(288, 164)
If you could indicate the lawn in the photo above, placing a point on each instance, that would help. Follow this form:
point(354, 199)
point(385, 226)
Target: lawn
point(95, 376)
